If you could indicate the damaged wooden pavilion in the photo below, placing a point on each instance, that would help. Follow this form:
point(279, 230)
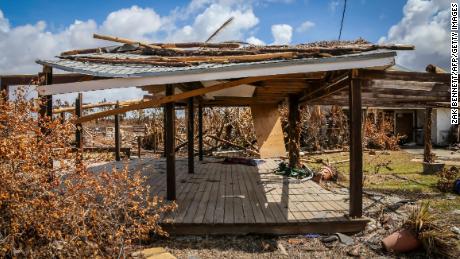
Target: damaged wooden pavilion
point(217, 198)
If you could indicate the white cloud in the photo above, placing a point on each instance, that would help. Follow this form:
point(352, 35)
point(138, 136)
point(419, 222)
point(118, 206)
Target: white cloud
point(333, 5)
point(255, 41)
point(22, 45)
point(426, 25)
point(132, 22)
point(4, 24)
point(282, 34)
point(212, 18)
point(305, 26)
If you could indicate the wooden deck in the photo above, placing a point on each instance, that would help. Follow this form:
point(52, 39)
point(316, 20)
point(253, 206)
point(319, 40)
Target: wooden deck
point(239, 199)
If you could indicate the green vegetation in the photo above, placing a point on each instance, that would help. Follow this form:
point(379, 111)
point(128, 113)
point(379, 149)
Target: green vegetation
point(394, 172)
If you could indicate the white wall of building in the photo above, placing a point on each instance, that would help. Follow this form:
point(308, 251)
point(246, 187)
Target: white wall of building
point(441, 121)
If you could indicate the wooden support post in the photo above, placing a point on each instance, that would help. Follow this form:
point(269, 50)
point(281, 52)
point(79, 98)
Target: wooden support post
point(46, 106)
point(169, 147)
point(190, 136)
point(139, 143)
point(164, 131)
point(294, 131)
point(356, 149)
point(200, 132)
point(428, 156)
point(79, 127)
point(427, 153)
point(117, 135)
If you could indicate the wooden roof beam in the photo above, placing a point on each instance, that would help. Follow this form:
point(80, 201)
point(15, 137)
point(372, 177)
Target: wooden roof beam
point(369, 74)
point(173, 98)
point(239, 101)
point(380, 103)
point(336, 85)
point(57, 79)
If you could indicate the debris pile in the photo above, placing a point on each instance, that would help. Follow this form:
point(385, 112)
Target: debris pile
point(196, 53)
point(299, 173)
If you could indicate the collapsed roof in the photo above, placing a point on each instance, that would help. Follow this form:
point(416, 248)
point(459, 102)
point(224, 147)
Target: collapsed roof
point(239, 74)
point(134, 59)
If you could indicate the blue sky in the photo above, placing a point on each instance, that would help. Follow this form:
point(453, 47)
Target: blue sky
point(370, 19)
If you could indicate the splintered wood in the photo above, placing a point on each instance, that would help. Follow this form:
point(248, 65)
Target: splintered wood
point(195, 53)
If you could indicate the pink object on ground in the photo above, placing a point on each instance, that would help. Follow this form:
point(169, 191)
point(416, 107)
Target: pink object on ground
point(401, 241)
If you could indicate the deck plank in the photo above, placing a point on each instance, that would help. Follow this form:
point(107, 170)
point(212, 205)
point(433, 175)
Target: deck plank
point(247, 210)
point(202, 203)
point(211, 208)
point(257, 184)
point(235, 198)
point(220, 204)
point(194, 183)
point(228, 198)
point(237, 195)
point(255, 205)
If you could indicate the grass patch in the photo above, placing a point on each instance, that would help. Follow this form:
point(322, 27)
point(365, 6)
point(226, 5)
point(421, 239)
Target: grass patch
point(394, 172)
point(386, 171)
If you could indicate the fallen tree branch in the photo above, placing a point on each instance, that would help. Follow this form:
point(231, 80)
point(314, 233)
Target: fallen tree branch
point(252, 152)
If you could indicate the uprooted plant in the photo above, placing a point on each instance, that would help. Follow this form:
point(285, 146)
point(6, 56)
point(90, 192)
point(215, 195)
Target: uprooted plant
point(52, 206)
point(437, 239)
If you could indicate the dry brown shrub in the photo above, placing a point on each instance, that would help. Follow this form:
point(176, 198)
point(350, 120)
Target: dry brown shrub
point(447, 178)
point(64, 210)
point(233, 124)
point(321, 128)
point(380, 136)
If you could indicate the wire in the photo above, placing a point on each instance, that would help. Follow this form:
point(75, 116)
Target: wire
point(343, 17)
